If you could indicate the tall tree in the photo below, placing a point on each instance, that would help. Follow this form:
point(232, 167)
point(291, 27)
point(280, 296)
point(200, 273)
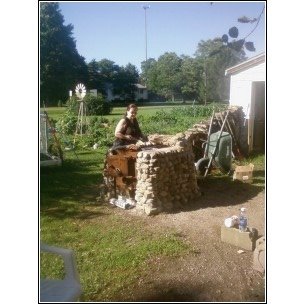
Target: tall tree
point(125, 80)
point(213, 59)
point(190, 78)
point(163, 76)
point(108, 69)
point(61, 67)
point(145, 67)
point(107, 74)
point(94, 81)
point(169, 66)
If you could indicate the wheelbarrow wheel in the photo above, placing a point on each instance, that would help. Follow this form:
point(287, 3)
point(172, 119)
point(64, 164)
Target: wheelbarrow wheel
point(202, 165)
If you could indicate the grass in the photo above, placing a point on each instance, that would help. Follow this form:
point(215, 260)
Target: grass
point(54, 112)
point(112, 251)
point(117, 112)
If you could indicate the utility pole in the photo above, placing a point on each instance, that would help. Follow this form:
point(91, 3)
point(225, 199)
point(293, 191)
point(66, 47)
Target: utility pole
point(145, 7)
point(205, 79)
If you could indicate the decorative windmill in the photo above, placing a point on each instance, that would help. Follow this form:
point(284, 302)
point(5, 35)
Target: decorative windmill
point(80, 91)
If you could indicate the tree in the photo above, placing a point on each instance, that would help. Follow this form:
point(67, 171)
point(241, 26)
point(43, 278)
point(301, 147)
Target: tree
point(94, 80)
point(125, 80)
point(105, 74)
point(108, 70)
point(163, 76)
point(189, 78)
point(145, 68)
point(61, 67)
point(213, 59)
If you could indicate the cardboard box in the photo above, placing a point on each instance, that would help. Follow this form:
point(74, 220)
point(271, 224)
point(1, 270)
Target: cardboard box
point(233, 236)
point(243, 173)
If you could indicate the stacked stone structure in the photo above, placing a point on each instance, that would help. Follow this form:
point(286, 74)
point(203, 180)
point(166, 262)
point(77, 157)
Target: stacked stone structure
point(166, 178)
point(166, 174)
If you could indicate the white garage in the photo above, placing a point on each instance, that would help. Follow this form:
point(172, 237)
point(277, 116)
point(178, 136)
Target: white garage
point(247, 89)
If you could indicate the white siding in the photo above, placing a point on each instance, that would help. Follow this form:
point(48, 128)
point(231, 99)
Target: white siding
point(143, 95)
point(240, 86)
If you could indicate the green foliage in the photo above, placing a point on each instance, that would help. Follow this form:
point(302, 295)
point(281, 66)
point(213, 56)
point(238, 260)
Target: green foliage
point(94, 105)
point(73, 105)
point(61, 67)
point(67, 123)
point(163, 76)
point(197, 111)
point(124, 81)
point(212, 61)
point(105, 74)
point(178, 119)
point(99, 131)
point(200, 78)
point(97, 105)
point(189, 78)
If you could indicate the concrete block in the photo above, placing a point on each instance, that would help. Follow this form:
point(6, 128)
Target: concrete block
point(245, 240)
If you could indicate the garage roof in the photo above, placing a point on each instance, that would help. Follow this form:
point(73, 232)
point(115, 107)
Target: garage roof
point(253, 61)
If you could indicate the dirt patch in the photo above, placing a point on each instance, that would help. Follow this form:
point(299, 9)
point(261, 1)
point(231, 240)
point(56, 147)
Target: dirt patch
point(214, 271)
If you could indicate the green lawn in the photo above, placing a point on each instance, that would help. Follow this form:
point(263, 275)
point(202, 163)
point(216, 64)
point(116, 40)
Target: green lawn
point(111, 251)
point(117, 112)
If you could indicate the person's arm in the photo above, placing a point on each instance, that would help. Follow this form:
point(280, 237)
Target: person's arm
point(119, 129)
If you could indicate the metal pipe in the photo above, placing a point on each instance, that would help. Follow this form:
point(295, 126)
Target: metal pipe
point(209, 132)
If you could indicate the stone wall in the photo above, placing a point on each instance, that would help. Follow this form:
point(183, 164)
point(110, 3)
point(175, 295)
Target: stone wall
point(166, 178)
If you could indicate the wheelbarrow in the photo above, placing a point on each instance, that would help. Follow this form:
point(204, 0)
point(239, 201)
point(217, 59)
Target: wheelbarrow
point(217, 151)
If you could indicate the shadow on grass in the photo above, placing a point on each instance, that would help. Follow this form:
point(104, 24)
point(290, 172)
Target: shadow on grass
point(79, 213)
point(66, 190)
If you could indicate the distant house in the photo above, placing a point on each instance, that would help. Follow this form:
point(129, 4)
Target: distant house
point(140, 93)
point(109, 92)
point(247, 89)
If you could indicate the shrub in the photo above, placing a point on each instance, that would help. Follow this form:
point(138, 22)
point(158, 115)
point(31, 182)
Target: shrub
point(99, 131)
point(94, 105)
point(73, 105)
point(97, 105)
point(67, 123)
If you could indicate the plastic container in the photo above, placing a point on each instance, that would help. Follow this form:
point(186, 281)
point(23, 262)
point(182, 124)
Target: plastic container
point(231, 221)
point(122, 202)
point(243, 221)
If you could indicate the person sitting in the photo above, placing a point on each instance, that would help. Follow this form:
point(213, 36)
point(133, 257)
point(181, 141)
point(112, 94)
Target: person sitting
point(127, 131)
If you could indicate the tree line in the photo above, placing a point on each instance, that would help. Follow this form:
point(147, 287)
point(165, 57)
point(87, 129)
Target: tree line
point(199, 78)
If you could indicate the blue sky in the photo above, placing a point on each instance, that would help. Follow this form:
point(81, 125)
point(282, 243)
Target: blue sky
point(116, 30)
